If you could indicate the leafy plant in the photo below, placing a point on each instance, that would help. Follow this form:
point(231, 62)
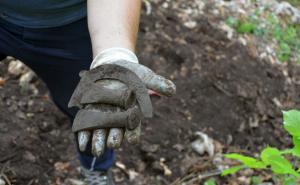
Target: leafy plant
point(272, 158)
point(210, 182)
point(268, 26)
point(245, 27)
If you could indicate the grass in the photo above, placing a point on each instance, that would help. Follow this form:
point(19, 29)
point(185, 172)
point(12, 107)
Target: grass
point(268, 26)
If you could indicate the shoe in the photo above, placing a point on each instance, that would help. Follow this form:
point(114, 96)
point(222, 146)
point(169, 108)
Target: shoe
point(97, 177)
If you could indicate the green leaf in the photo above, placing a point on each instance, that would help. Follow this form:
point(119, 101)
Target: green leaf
point(283, 57)
point(245, 27)
point(285, 48)
point(290, 34)
point(210, 182)
point(284, 51)
point(289, 180)
point(277, 33)
point(247, 161)
point(279, 165)
point(291, 121)
point(267, 153)
point(232, 170)
point(296, 149)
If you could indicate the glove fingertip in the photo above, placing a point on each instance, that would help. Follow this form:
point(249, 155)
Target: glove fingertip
point(162, 85)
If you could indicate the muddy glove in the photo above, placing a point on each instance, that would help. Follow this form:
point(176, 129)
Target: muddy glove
point(113, 99)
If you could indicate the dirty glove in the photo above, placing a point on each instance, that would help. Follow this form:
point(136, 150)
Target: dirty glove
point(113, 99)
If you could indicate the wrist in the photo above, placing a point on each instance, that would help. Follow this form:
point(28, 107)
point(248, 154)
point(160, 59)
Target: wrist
point(113, 54)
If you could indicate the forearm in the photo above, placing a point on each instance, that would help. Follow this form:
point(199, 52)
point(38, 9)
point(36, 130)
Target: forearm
point(113, 23)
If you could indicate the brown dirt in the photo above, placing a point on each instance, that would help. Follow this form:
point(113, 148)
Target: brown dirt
point(222, 90)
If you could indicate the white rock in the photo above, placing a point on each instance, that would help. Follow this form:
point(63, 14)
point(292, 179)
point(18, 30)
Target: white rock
point(201, 5)
point(203, 144)
point(190, 24)
point(165, 5)
point(227, 29)
point(216, 12)
point(16, 67)
point(76, 182)
point(284, 8)
point(242, 41)
point(26, 78)
point(263, 55)
point(2, 182)
point(132, 174)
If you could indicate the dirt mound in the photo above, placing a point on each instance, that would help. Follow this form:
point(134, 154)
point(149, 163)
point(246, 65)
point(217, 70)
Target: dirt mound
point(221, 90)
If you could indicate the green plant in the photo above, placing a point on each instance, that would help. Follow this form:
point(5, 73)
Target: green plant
point(268, 26)
point(210, 182)
point(274, 159)
point(256, 180)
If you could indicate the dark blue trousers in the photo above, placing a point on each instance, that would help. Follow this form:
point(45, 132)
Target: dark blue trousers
point(56, 55)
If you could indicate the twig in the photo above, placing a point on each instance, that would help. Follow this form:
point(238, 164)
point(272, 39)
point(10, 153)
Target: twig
point(193, 177)
point(204, 176)
point(179, 181)
point(5, 178)
point(220, 88)
point(30, 182)
point(148, 7)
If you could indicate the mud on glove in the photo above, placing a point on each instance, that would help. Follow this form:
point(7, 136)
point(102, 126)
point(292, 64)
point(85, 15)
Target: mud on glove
point(113, 99)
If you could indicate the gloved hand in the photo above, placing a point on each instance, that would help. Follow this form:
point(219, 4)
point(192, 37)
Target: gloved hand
point(113, 99)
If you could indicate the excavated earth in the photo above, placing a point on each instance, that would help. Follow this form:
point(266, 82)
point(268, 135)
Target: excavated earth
point(222, 90)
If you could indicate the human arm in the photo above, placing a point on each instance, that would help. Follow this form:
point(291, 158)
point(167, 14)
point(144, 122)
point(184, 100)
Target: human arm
point(113, 23)
point(113, 27)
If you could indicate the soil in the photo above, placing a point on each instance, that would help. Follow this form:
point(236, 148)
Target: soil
point(222, 90)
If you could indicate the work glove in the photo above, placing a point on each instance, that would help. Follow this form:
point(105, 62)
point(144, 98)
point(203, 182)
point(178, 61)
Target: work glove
point(113, 99)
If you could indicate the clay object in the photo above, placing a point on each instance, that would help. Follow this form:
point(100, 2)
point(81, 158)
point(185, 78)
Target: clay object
point(113, 72)
point(89, 119)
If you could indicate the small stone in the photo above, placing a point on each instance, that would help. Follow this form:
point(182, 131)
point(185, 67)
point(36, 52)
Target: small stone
point(76, 182)
point(26, 78)
point(2, 182)
point(178, 147)
point(150, 148)
point(165, 5)
point(190, 24)
point(16, 67)
point(21, 115)
point(157, 167)
point(228, 30)
point(29, 156)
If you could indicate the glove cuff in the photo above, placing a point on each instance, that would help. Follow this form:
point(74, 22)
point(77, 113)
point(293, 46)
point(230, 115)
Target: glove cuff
point(113, 54)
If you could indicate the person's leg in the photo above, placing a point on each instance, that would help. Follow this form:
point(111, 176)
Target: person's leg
point(56, 55)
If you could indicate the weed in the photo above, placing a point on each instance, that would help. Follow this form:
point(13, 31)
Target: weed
point(274, 159)
point(210, 182)
point(268, 26)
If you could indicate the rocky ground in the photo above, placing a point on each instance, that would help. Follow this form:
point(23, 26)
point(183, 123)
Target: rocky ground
point(231, 91)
